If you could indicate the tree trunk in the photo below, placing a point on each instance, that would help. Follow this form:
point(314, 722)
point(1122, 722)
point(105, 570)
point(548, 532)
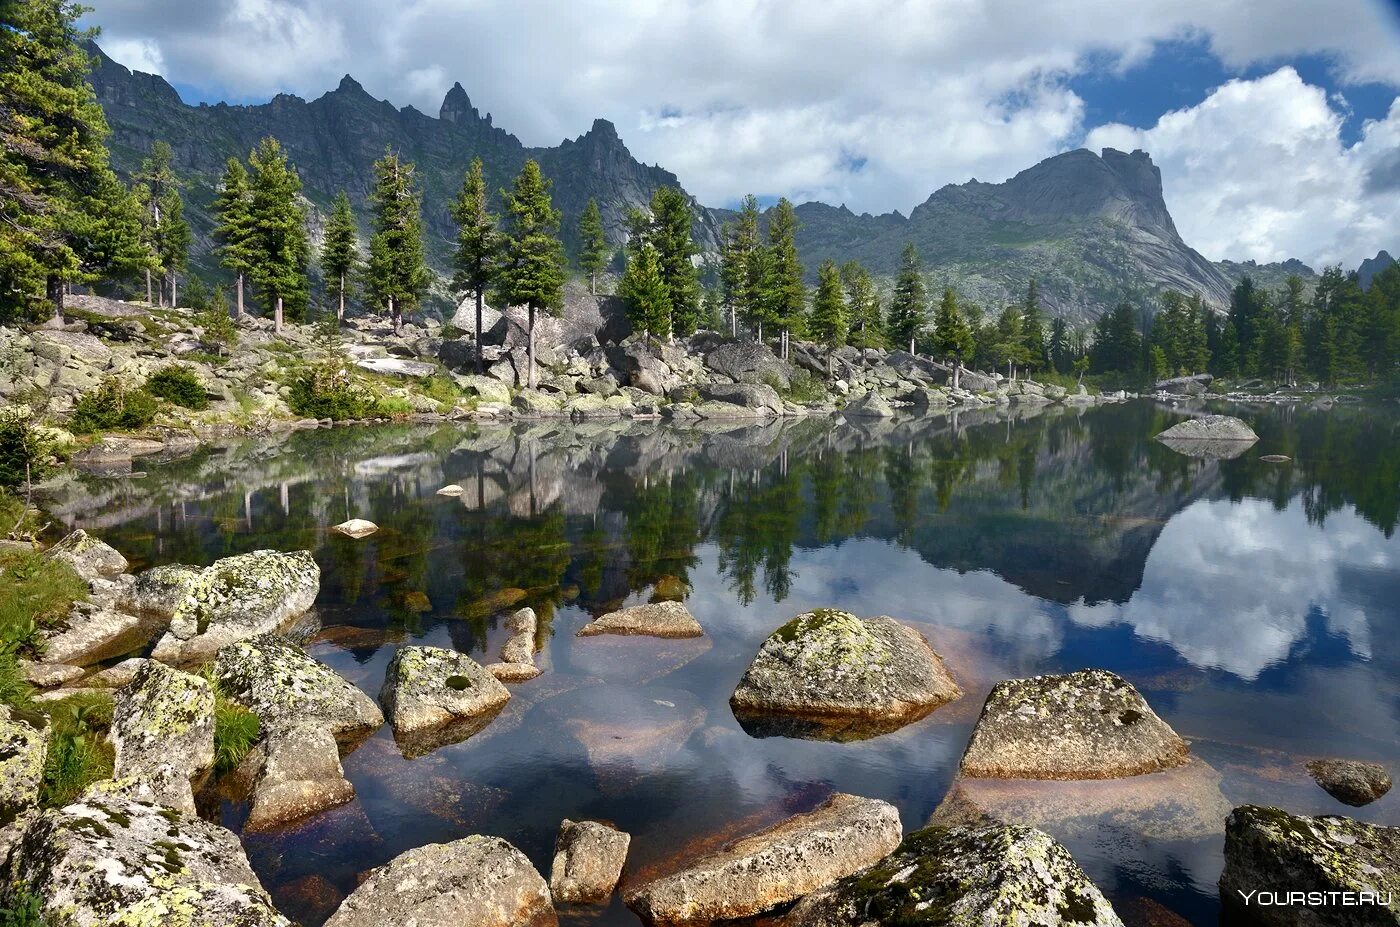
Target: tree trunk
point(340, 312)
point(54, 291)
point(592, 283)
point(530, 347)
point(734, 321)
point(760, 332)
point(277, 317)
point(239, 287)
point(480, 301)
point(174, 291)
point(957, 374)
point(911, 344)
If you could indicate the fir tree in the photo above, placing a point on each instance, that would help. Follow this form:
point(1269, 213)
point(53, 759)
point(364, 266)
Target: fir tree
point(952, 337)
point(1061, 354)
point(669, 233)
point(218, 327)
point(340, 252)
point(908, 305)
point(867, 326)
point(643, 286)
point(1117, 344)
point(784, 293)
point(1033, 329)
point(165, 231)
point(532, 274)
point(740, 242)
point(829, 321)
point(479, 244)
point(234, 227)
point(593, 244)
point(278, 244)
point(396, 275)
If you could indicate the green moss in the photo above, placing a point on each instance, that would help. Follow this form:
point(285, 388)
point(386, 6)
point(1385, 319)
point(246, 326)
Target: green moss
point(458, 683)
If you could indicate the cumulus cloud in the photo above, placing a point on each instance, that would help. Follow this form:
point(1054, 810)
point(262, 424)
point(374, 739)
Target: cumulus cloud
point(874, 103)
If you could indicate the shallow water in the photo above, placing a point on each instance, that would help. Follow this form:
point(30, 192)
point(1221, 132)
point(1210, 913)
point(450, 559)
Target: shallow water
point(1256, 605)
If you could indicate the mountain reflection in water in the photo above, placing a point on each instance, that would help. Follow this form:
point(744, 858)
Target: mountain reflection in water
point(1257, 606)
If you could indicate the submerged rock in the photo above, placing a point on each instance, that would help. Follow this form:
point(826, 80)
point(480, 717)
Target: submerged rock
point(111, 861)
point(964, 877)
point(1091, 724)
point(237, 598)
point(356, 528)
point(165, 717)
point(774, 867)
point(22, 751)
point(1209, 428)
point(588, 861)
point(435, 697)
point(1272, 851)
point(655, 619)
point(476, 881)
point(520, 648)
point(89, 557)
point(1351, 782)
point(829, 674)
point(513, 672)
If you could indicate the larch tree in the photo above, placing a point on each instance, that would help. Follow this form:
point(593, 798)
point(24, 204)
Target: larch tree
point(340, 252)
point(784, 293)
point(477, 259)
point(234, 227)
point(278, 244)
point(533, 272)
point(863, 306)
point(908, 305)
point(644, 288)
point(1033, 328)
point(737, 277)
point(952, 336)
point(397, 274)
point(593, 245)
point(166, 232)
point(828, 323)
point(671, 219)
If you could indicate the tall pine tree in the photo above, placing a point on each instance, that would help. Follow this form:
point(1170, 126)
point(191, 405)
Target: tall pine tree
point(234, 227)
point(952, 337)
point(164, 229)
point(477, 259)
point(867, 326)
point(649, 304)
point(669, 233)
point(829, 322)
point(593, 244)
point(340, 252)
point(532, 274)
point(1033, 329)
point(784, 293)
point(278, 246)
point(396, 275)
point(908, 305)
point(737, 271)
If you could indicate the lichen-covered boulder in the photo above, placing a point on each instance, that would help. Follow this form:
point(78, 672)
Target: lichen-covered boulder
point(655, 619)
point(1274, 853)
point(157, 592)
point(588, 861)
point(964, 877)
point(828, 674)
point(237, 598)
point(165, 717)
point(520, 648)
point(434, 697)
point(1209, 428)
point(89, 557)
point(774, 867)
point(92, 632)
point(1091, 724)
point(871, 405)
point(112, 861)
point(22, 749)
point(301, 775)
point(1351, 782)
point(476, 881)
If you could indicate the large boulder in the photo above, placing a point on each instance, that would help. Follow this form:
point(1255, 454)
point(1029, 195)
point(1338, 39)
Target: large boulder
point(588, 861)
point(964, 877)
point(749, 362)
point(870, 405)
point(1209, 428)
point(1351, 782)
point(1185, 386)
point(757, 396)
point(237, 598)
point(643, 369)
point(534, 402)
point(831, 675)
point(158, 592)
point(1271, 854)
point(300, 775)
point(655, 619)
point(93, 632)
point(22, 751)
point(165, 717)
point(476, 881)
point(89, 557)
point(435, 697)
point(111, 861)
point(1091, 724)
point(772, 868)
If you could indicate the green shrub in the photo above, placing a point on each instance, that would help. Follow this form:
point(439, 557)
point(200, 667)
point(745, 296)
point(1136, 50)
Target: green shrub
point(802, 388)
point(113, 407)
point(23, 908)
point(180, 385)
point(26, 451)
point(236, 729)
point(39, 592)
point(79, 753)
point(329, 391)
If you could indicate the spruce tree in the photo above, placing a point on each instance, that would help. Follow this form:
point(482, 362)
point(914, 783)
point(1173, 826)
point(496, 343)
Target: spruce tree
point(397, 275)
point(784, 293)
point(477, 258)
point(829, 322)
point(952, 338)
point(908, 305)
point(669, 233)
point(1061, 354)
point(643, 286)
point(593, 245)
point(278, 244)
point(740, 242)
point(532, 274)
point(340, 252)
point(867, 327)
point(165, 231)
point(234, 227)
point(1033, 329)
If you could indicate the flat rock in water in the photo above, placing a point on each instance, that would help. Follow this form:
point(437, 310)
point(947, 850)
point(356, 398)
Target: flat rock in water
point(89, 557)
point(655, 619)
point(435, 697)
point(1209, 428)
point(1091, 724)
point(588, 861)
point(1351, 782)
point(513, 672)
point(475, 881)
point(827, 674)
point(237, 598)
point(165, 717)
point(356, 528)
point(774, 867)
point(1275, 458)
point(22, 751)
point(109, 860)
point(451, 489)
point(1268, 850)
point(964, 877)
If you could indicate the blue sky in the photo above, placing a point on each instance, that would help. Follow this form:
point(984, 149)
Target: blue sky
point(1273, 121)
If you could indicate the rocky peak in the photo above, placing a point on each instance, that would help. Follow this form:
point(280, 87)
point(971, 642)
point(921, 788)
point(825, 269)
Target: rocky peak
point(1372, 266)
point(457, 107)
point(348, 84)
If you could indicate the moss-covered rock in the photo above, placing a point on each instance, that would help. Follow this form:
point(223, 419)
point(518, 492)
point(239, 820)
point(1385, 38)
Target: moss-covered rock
point(964, 877)
point(165, 717)
point(829, 674)
point(1276, 853)
point(1091, 724)
point(435, 697)
point(655, 619)
point(89, 557)
point(22, 748)
point(158, 592)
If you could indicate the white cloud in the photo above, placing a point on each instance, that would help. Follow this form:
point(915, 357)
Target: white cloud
point(874, 103)
point(137, 54)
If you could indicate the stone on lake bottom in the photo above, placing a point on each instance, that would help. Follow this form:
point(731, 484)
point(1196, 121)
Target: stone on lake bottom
point(1351, 782)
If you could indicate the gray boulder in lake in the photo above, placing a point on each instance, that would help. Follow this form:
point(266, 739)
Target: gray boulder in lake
point(435, 697)
point(476, 881)
point(828, 674)
point(1091, 724)
point(871, 405)
point(588, 861)
point(774, 867)
point(1209, 428)
point(964, 877)
point(655, 619)
point(1351, 782)
point(165, 717)
point(1274, 852)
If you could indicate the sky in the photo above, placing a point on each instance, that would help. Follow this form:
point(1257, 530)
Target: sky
point(1276, 123)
